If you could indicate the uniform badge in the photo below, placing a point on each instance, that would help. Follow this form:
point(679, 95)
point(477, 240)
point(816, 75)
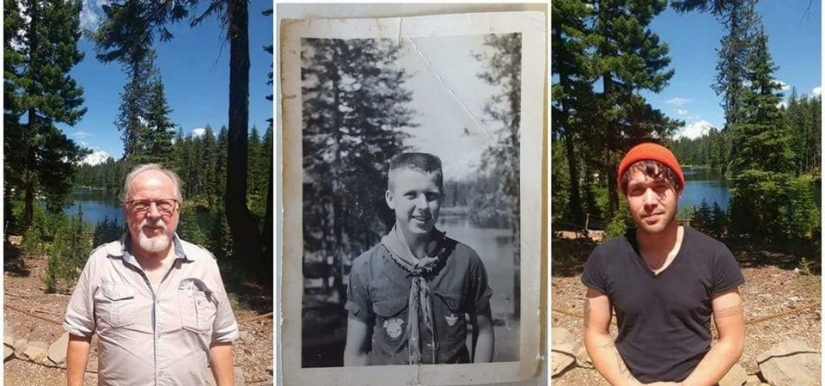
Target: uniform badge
point(451, 319)
point(393, 327)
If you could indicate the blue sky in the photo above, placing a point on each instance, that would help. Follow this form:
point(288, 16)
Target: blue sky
point(195, 71)
point(794, 39)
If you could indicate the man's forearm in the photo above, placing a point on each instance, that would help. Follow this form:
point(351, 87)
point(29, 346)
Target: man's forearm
point(77, 356)
point(715, 364)
point(606, 359)
point(485, 346)
point(222, 366)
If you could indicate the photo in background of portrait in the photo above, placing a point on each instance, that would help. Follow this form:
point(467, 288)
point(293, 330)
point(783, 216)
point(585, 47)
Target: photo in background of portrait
point(357, 92)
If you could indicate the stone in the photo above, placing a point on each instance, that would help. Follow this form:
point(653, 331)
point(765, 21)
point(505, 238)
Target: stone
point(239, 378)
point(790, 363)
point(7, 352)
point(583, 359)
point(561, 358)
point(736, 376)
point(37, 351)
point(57, 351)
point(561, 336)
point(20, 345)
point(753, 380)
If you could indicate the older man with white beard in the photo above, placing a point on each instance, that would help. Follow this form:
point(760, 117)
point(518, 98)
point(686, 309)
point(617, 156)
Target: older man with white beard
point(157, 302)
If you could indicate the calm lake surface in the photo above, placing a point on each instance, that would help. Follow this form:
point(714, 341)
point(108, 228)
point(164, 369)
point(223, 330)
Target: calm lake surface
point(495, 248)
point(97, 205)
point(707, 184)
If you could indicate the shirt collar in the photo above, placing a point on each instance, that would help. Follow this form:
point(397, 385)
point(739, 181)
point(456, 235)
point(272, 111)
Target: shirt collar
point(122, 249)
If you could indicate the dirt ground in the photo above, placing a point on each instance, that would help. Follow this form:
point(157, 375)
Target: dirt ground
point(781, 302)
point(24, 290)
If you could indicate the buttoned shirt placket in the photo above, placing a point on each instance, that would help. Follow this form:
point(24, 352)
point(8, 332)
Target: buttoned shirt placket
point(131, 261)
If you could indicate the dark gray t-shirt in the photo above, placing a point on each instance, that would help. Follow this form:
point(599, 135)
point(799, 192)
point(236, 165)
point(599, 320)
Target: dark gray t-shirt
point(663, 320)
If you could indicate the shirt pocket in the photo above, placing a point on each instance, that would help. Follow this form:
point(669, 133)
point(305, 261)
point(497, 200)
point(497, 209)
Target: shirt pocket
point(196, 308)
point(113, 306)
point(449, 313)
point(391, 318)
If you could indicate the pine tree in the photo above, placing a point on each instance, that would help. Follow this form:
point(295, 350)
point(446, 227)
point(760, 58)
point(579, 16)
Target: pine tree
point(257, 186)
point(342, 214)
point(40, 48)
point(761, 136)
point(220, 165)
point(208, 157)
point(156, 139)
point(573, 93)
point(630, 58)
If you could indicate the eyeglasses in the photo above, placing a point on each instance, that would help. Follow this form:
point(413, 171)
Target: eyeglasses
point(165, 207)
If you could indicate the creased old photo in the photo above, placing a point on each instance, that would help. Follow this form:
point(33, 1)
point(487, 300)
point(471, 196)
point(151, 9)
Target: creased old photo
point(411, 148)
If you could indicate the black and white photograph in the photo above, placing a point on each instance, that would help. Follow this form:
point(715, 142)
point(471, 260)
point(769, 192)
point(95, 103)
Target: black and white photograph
point(409, 152)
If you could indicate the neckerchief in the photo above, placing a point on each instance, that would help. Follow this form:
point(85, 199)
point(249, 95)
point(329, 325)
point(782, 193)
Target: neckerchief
point(420, 303)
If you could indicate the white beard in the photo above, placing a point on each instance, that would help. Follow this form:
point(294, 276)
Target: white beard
point(154, 244)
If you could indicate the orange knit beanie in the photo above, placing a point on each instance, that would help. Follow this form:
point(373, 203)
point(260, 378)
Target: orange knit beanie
point(651, 151)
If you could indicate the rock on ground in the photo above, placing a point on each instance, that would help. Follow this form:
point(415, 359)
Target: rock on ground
point(736, 376)
point(57, 351)
point(37, 350)
point(790, 363)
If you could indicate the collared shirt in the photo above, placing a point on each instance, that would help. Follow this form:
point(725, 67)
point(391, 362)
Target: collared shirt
point(378, 294)
point(149, 337)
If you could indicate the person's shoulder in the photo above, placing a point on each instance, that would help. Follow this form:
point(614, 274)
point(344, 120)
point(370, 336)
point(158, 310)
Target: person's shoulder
point(611, 246)
point(703, 242)
point(195, 251)
point(367, 256)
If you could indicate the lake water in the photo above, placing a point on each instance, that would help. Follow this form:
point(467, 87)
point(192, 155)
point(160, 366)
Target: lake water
point(97, 205)
point(707, 184)
point(495, 248)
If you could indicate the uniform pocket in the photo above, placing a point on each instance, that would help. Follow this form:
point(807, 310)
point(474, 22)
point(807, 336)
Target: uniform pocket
point(112, 307)
point(196, 308)
point(391, 318)
point(449, 312)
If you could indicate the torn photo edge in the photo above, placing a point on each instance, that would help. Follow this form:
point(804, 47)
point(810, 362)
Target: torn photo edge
point(532, 26)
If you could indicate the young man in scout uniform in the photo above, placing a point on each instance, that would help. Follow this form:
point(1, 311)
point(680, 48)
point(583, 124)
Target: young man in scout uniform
point(408, 295)
point(664, 282)
point(157, 302)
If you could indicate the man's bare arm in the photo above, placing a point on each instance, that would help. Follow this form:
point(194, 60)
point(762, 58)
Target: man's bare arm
point(598, 342)
point(483, 336)
point(222, 363)
point(77, 356)
point(729, 316)
point(356, 349)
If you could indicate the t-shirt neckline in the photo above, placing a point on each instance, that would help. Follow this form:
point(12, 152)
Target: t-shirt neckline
point(634, 246)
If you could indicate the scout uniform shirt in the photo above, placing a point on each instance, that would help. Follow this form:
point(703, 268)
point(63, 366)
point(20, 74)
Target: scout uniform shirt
point(149, 337)
point(379, 292)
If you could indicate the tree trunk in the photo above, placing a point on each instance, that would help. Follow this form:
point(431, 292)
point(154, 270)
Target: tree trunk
point(245, 233)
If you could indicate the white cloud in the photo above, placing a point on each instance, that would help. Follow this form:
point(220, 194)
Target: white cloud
point(783, 104)
point(199, 132)
point(682, 112)
point(81, 134)
point(677, 101)
point(817, 91)
point(694, 130)
point(782, 85)
point(89, 17)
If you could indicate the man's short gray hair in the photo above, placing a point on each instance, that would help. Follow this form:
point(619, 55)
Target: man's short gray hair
point(176, 182)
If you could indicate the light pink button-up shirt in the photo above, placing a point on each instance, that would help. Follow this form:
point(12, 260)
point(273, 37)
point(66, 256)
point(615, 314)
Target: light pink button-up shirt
point(148, 337)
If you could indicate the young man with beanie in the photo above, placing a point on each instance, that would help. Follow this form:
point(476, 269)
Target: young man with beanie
point(664, 282)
